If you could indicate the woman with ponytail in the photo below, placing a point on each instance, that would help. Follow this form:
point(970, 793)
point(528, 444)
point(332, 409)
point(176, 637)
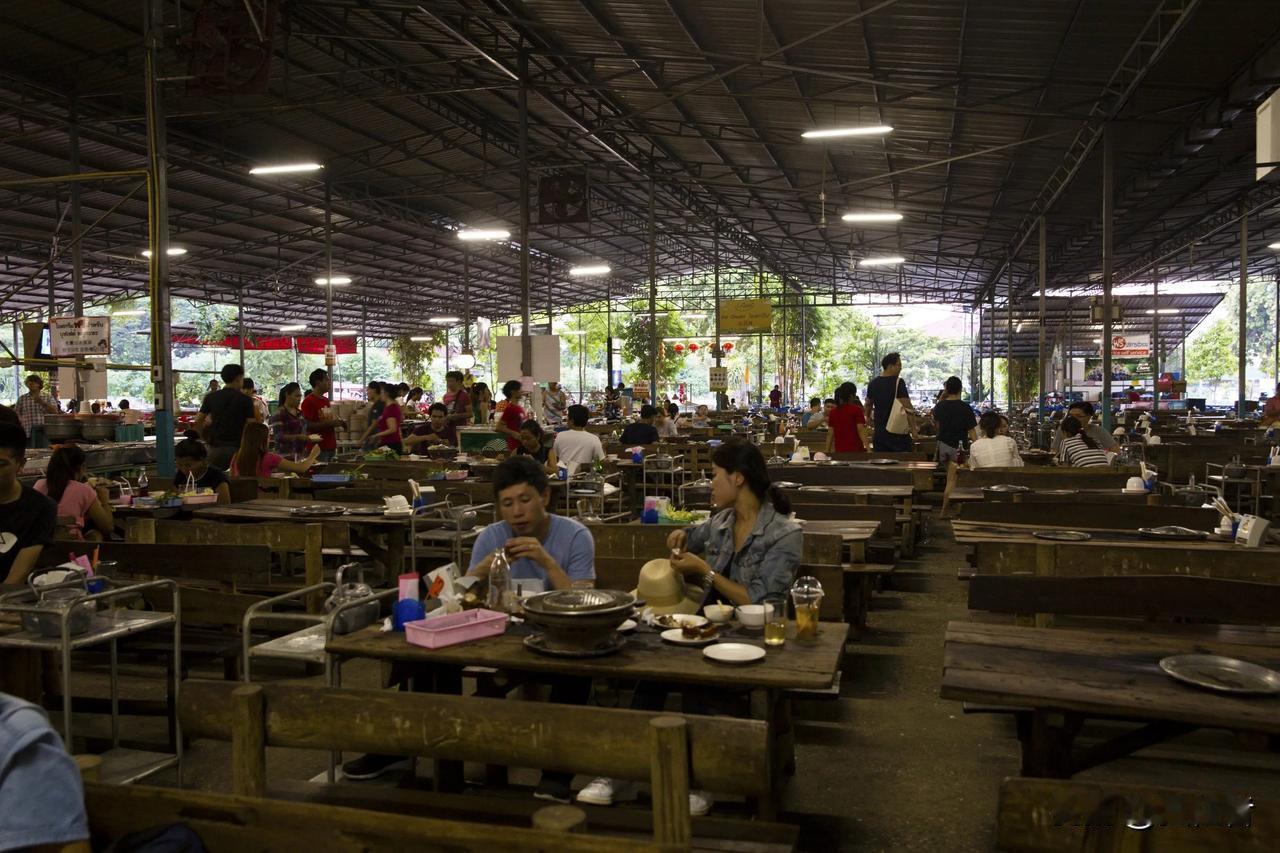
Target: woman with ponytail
point(748, 549)
point(88, 507)
point(253, 459)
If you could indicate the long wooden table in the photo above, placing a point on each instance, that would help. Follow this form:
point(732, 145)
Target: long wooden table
point(1209, 559)
point(645, 657)
point(1058, 677)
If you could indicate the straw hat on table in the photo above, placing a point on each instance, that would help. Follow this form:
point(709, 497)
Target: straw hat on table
point(663, 590)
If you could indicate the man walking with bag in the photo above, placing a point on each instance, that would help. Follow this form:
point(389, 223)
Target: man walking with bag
point(891, 409)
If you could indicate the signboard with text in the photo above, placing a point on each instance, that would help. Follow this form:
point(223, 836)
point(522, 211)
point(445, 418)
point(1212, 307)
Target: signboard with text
point(72, 336)
point(718, 379)
point(1131, 346)
point(745, 316)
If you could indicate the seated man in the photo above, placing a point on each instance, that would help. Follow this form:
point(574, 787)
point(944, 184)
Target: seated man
point(642, 432)
point(1082, 411)
point(41, 799)
point(26, 517)
point(543, 548)
point(437, 430)
point(575, 446)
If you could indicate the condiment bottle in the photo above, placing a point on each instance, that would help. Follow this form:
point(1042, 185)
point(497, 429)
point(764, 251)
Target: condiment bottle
point(143, 491)
point(499, 581)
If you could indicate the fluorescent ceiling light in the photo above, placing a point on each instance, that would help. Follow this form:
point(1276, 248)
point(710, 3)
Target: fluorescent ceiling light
point(1164, 311)
point(294, 328)
point(443, 319)
point(886, 261)
point(478, 234)
point(346, 333)
point(336, 281)
point(132, 312)
point(172, 251)
point(595, 269)
point(1275, 246)
point(1097, 340)
point(285, 168)
point(421, 338)
point(837, 132)
point(872, 217)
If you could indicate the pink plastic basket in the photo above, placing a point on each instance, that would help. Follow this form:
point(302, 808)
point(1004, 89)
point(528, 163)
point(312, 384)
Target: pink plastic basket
point(455, 628)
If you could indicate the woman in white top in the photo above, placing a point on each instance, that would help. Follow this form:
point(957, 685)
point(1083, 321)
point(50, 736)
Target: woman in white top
point(994, 448)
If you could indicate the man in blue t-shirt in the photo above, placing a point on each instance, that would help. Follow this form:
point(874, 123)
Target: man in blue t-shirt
point(41, 800)
point(881, 394)
point(550, 550)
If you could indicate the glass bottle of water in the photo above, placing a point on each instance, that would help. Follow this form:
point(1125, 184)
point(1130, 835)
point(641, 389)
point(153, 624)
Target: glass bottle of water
point(500, 582)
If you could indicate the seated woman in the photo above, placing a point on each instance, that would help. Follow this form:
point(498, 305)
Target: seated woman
point(531, 443)
point(255, 460)
point(994, 448)
point(437, 430)
point(746, 551)
point(192, 460)
point(88, 507)
point(1079, 449)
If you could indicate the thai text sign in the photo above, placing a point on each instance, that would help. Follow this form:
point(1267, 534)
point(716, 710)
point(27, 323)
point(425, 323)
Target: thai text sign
point(71, 336)
point(745, 316)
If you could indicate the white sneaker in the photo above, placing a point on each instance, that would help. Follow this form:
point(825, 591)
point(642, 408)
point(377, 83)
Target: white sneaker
point(699, 803)
point(604, 791)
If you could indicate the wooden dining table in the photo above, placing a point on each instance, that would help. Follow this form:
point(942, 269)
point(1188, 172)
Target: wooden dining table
point(796, 665)
point(1055, 679)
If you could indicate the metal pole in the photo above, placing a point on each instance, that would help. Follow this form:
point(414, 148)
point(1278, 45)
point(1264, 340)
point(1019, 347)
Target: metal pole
point(991, 389)
point(760, 339)
point(526, 344)
point(1043, 264)
point(364, 346)
point(295, 361)
point(466, 297)
point(1242, 354)
point(330, 351)
point(1108, 176)
point(240, 323)
point(804, 348)
point(1155, 343)
point(1275, 321)
point(158, 225)
point(654, 343)
point(17, 369)
point(77, 255)
point(1182, 369)
point(715, 243)
point(1008, 318)
point(608, 333)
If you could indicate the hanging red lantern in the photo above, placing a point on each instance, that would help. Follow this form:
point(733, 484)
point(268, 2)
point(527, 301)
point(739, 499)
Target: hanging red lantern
point(679, 347)
point(693, 347)
point(728, 346)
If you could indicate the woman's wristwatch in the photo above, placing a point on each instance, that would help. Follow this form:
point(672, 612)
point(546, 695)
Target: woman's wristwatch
point(710, 578)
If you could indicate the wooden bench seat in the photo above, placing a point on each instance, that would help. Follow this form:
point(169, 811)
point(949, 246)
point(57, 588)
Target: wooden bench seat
point(674, 753)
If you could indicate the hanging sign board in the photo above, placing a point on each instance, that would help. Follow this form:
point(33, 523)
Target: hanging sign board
point(80, 336)
point(745, 316)
point(718, 379)
point(1130, 346)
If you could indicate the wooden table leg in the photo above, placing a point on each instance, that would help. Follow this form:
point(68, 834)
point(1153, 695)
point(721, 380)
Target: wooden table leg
point(1047, 739)
point(447, 775)
point(764, 706)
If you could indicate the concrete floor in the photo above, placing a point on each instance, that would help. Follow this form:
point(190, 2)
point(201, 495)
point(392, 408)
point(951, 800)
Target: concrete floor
point(890, 765)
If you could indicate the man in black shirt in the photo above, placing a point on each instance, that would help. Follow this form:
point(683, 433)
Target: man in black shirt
point(881, 392)
point(642, 432)
point(26, 516)
point(229, 408)
point(955, 419)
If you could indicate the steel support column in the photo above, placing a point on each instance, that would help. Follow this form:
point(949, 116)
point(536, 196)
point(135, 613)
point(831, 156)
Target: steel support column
point(715, 266)
point(1155, 344)
point(77, 253)
point(1042, 264)
point(759, 341)
point(158, 226)
point(526, 344)
point(1008, 320)
point(1242, 354)
point(654, 341)
point(1108, 191)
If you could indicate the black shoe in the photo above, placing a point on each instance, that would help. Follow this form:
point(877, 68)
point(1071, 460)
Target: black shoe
point(554, 788)
point(372, 766)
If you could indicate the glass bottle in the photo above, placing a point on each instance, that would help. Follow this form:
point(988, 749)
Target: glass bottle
point(500, 582)
point(143, 490)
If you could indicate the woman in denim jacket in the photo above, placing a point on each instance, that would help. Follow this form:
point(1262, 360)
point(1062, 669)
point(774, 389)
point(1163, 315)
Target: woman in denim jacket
point(749, 549)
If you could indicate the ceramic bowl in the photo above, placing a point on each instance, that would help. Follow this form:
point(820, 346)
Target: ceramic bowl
point(751, 615)
point(718, 613)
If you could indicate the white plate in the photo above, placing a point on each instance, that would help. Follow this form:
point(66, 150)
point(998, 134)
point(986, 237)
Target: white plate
point(676, 637)
point(734, 653)
point(627, 627)
point(680, 619)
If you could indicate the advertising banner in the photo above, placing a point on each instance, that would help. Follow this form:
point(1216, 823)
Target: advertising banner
point(71, 336)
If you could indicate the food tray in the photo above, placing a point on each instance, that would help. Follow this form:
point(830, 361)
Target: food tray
point(196, 500)
point(441, 631)
point(331, 478)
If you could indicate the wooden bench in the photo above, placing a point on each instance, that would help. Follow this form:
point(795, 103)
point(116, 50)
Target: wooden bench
point(1059, 816)
point(230, 824)
point(1085, 515)
point(1035, 477)
point(673, 753)
point(897, 537)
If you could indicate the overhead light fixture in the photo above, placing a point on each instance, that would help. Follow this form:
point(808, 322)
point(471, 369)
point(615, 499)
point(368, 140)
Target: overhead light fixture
point(346, 333)
point(594, 269)
point(336, 281)
point(871, 216)
point(285, 168)
point(294, 328)
point(132, 312)
point(886, 261)
point(1275, 246)
point(837, 132)
point(443, 320)
point(172, 251)
point(480, 234)
point(465, 359)
point(1164, 311)
point(1097, 340)
point(421, 339)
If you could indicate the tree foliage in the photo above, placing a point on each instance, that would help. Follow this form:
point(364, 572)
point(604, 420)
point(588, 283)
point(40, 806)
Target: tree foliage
point(1212, 357)
point(637, 344)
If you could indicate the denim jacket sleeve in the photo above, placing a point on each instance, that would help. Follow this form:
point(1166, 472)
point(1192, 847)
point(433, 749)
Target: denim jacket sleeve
point(770, 564)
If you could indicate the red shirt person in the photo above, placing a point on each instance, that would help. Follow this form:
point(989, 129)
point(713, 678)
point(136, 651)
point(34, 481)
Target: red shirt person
point(314, 409)
point(512, 416)
point(843, 435)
